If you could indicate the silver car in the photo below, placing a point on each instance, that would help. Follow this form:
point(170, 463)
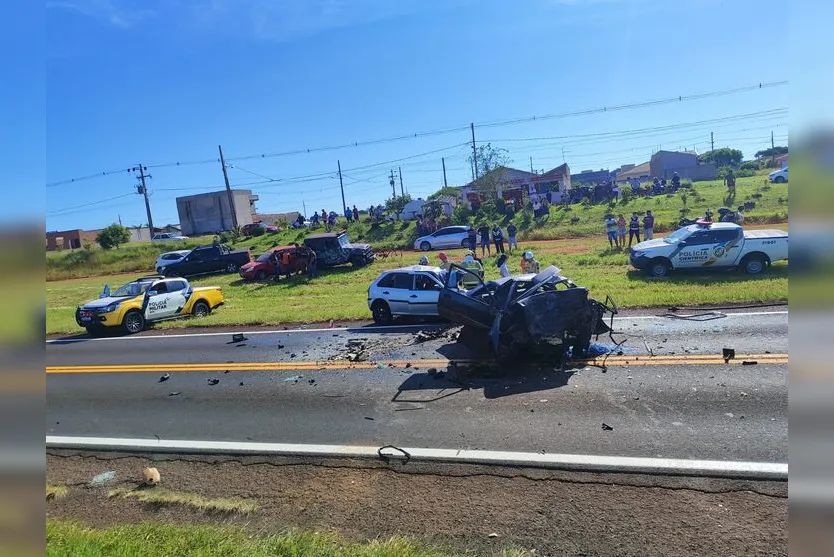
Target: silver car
point(170, 257)
point(407, 291)
point(446, 237)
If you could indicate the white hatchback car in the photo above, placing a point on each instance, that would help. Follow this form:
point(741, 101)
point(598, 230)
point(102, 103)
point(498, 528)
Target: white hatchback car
point(170, 257)
point(779, 176)
point(446, 237)
point(407, 291)
point(168, 237)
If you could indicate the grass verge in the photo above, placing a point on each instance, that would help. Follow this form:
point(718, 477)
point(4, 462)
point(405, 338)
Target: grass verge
point(341, 293)
point(162, 496)
point(56, 491)
point(151, 540)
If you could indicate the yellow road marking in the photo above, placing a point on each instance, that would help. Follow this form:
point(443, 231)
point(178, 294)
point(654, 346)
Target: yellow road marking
point(688, 359)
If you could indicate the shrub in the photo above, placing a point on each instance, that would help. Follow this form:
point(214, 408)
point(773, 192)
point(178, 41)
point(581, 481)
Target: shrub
point(113, 236)
point(574, 219)
point(750, 165)
point(626, 194)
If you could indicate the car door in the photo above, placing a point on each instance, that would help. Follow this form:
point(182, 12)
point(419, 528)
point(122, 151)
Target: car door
point(443, 238)
point(727, 248)
point(424, 294)
point(178, 294)
point(157, 303)
point(695, 250)
point(190, 265)
point(396, 289)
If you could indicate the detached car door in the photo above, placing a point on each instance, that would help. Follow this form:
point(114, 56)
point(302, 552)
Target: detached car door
point(424, 295)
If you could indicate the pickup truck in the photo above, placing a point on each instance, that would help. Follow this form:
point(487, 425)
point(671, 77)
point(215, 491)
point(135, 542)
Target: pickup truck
point(204, 260)
point(711, 245)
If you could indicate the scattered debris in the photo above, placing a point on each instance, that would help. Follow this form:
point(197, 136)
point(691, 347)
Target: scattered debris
point(292, 355)
point(749, 362)
point(729, 354)
point(238, 337)
point(432, 371)
point(103, 478)
point(151, 476)
point(280, 347)
point(213, 381)
point(493, 535)
point(408, 364)
point(165, 377)
point(241, 384)
point(729, 414)
point(606, 427)
point(293, 379)
point(311, 382)
point(174, 393)
point(369, 418)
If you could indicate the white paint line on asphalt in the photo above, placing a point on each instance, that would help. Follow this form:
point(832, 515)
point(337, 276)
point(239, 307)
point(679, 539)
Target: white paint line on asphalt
point(575, 462)
point(355, 329)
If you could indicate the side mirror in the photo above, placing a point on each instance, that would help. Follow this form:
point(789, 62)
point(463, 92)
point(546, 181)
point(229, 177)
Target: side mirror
point(152, 293)
point(106, 292)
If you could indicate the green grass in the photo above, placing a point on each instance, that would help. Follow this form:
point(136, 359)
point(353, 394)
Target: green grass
point(162, 496)
point(341, 293)
point(152, 540)
point(579, 221)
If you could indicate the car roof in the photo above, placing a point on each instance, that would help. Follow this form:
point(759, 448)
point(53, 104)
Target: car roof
point(716, 226)
point(324, 235)
point(416, 269)
point(176, 251)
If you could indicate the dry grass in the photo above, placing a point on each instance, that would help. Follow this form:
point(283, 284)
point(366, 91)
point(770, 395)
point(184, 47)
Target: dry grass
point(56, 491)
point(162, 496)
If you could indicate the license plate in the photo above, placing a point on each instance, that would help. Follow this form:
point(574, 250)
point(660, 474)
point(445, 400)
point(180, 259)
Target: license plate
point(86, 317)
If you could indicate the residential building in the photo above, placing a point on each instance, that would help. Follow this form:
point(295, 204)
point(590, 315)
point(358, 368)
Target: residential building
point(69, 239)
point(781, 160)
point(664, 164)
point(272, 218)
point(507, 183)
point(210, 213)
point(591, 177)
point(640, 172)
point(553, 184)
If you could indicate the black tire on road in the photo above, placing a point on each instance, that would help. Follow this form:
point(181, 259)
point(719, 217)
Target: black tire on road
point(658, 267)
point(381, 313)
point(753, 264)
point(425, 246)
point(133, 322)
point(200, 309)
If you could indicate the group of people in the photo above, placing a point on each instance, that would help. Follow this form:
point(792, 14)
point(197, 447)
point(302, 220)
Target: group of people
point(493, 235)
point(300, 260)
point(616, 229)
point(352, 214)
point(471, 262)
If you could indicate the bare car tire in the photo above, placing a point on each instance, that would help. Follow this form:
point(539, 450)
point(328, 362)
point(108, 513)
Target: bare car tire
point(133, 322)
point(381, 313)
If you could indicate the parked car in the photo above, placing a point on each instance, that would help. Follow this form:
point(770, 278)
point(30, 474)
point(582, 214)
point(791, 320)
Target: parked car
point(167, 237)
point(169, 257)
point(266, 264)
point(335, 248)
point(204, 260)
point(525, 313)
point(257, 229)
point(711, 245)
point(406, 291)
point(447, 237)
point(779, 176)
point(146, 300)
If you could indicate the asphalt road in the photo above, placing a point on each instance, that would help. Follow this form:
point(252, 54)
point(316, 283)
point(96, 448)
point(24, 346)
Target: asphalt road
point(668, 394)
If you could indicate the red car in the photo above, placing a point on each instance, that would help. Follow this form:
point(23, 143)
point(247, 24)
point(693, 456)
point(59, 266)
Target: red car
point(267, 263)
point(257, 229)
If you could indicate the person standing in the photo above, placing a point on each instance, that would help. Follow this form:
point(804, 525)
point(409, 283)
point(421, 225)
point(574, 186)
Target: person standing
point(621, 230)
point(648, 226)
point(286, 263)
point(325, 220)
point(611, 230)
point(355, 214)
point(633, 228)
point(512, 242)
point(730, 182)
point(472, 235)
point(498, 238)
point(484, 232)
point(348, 214)
point(312, 269)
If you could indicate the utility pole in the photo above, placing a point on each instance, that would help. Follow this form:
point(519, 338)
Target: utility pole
point(772, 144)
point(228, 188)
point(304, 207)
point(711, 141)
point(341, 185)
point(443, 161)
point(391, 181)
point(474, 154)
point(142, 189)
point(400, 170)
point(531, 164)
point(563, 154)
point(120, 220)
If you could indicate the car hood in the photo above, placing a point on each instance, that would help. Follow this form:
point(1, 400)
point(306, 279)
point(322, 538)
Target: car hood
point(250, 266)
point(649, 244)
point(103, 302)
point(362, 247)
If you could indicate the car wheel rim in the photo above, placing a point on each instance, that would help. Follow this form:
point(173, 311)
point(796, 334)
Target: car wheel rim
point(133, 323)
point(231, 268)
point(200, 311)
point(659, 270)
point(754, 267)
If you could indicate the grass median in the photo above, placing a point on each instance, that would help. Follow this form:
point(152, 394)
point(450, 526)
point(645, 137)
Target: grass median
point(151, 540)
point(341, 293)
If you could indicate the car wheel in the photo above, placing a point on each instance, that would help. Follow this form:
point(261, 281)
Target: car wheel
point(659, 267)
point(425, 246)
point(753, 264)
point(261, 275)
point(232, 268)
point(133, 322)
point(381, 313)
point(465, 244)
point(779, 179)
point(200, 309)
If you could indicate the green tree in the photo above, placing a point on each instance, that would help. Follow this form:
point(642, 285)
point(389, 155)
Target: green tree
point(113, 236)
point(771, 152)
point(397, 204)
point(723, 157)
point(489, 162)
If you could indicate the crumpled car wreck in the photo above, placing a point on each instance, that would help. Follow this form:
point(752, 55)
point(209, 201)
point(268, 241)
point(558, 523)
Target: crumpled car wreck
point(543, 313)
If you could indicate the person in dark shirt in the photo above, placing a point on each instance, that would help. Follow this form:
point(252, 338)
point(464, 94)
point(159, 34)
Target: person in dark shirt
point(472, 235)
point(648, 226)
point(633, 228)
point(512, 241)
point(484, 233)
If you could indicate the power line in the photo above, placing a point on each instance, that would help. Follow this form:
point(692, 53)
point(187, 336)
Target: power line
point(56, 211)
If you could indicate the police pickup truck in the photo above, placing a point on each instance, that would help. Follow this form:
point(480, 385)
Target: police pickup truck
point(709, 245)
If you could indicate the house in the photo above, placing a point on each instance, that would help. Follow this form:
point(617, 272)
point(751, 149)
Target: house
point(272, 218)
point(664, 164)
point(781, 160)
point(507, 183)
point(415, 207)
point(554, 184)
point(640, 172)
point(210, 213)
point(591, 177)
point(69, 239)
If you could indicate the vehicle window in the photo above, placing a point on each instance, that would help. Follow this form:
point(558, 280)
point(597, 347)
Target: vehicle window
point(132, 289)
point(677, 235)
point(343, 240)
point(176, 285)
point(701, 238)
point(425, 282)
point(160, 287)
point(397, 280)
point(264, 257)
point(725, 235)
point(171, 256)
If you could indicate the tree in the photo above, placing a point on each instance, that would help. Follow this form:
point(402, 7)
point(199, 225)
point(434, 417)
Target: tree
point(723, 157)
point(488, 161)
point(113, 236)
point(772, 152)
point(397, 204)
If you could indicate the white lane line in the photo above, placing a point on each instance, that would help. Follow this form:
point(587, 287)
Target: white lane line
point(576, 462)
point(359, 329)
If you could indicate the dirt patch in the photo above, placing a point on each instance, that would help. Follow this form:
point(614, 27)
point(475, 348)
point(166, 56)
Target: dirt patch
point(454, 507)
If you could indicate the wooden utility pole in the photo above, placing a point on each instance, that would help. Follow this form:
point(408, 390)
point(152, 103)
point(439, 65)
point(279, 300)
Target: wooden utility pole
point(229, 192)
point(143, 189)
point(400, 171)
point(474, 154)
point(341, 185)
point(711, 141)
point(531, 164)
point(393, 188)
point(772, 144)
point(443, 161)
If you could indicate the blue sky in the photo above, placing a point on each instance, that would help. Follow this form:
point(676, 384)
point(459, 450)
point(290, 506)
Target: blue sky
point(165, 81)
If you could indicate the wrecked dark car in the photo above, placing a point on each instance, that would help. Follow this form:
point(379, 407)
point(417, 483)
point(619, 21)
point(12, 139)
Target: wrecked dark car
point(545, 314)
